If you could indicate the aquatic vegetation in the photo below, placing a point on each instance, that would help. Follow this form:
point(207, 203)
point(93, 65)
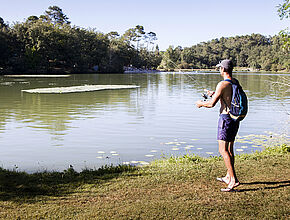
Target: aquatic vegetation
point(7, 83)
point(187, 147)
point(37, 76)
point(143, 163)
point(169, 143)
point(262, 141)
point(209, 152)
point(85, 88)
point(101, 152)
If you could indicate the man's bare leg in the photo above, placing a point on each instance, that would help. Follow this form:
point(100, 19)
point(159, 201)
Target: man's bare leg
point(226, 179)
point(226, 150)
point(232, 155)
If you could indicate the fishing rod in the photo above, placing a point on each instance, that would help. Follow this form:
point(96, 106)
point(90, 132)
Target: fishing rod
point(188, 75)
point(205, 95)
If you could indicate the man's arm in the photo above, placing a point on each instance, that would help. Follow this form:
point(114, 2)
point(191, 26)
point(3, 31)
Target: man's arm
point(215, 98)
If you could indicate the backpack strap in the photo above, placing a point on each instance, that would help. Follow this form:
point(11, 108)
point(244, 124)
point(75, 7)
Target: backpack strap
point(236, 82)
point(228, 80)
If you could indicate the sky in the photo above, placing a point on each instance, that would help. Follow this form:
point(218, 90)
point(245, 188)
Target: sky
point(177, 23)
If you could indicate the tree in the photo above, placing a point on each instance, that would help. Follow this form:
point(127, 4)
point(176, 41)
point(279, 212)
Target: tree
point(150, 37)
point(284, 9)
point(55, 15)
point(171, 58)
point(139, 34)
point(32, 18)
point(113, 35)
point(130, 35)
point(2, 23)
point(284, 12)
point(133, 35)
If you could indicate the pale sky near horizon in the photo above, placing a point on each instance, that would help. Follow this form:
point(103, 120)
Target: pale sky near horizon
point(180, 22)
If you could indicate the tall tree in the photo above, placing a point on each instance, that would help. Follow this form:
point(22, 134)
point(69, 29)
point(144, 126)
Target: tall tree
point(284, 12)
point(150, 37)
point(2, 23)
point(284, 9)
point(55, 15)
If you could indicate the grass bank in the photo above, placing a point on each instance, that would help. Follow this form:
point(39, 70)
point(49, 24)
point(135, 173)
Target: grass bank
point(172, 188)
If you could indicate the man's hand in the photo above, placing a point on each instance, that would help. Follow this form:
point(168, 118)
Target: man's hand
point(199, 103)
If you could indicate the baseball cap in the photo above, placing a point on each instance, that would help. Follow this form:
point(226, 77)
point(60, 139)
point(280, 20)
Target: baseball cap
point(227, 64)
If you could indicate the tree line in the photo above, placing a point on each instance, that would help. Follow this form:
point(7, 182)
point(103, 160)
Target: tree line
point(254, 51)
point(50, 44)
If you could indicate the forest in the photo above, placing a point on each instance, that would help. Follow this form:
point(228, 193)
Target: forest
point(50, 44)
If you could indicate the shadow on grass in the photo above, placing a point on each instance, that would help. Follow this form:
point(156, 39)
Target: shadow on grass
point(23, 186)
point(270, 185)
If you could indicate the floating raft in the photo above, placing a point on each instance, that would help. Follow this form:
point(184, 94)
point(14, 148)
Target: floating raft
point(85, 88)
point(36, 76)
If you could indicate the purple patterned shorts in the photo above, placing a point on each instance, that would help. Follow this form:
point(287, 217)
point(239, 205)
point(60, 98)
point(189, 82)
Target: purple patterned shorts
point(227, 128)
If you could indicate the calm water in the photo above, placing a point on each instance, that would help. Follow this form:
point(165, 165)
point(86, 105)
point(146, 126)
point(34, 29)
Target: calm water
point(53, 131)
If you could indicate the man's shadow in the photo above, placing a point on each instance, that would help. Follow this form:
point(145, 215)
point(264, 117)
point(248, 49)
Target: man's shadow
point(269, 185)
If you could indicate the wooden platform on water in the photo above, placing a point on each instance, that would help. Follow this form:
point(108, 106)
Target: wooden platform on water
point(85, 88)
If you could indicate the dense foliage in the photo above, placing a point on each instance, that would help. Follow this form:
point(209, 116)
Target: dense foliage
point(252, 51)
point(50, 44)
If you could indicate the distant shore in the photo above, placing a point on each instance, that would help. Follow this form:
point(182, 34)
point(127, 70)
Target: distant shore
point(245, 70)
point(133, 71)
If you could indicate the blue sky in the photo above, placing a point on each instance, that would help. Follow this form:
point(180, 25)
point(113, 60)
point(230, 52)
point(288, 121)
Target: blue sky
point(179, 22)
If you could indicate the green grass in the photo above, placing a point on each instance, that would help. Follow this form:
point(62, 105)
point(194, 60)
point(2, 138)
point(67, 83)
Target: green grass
point(171, 188)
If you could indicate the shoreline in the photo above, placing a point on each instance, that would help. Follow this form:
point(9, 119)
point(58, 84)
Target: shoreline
point(173, 188)
point(68, 74)
point(280, 148)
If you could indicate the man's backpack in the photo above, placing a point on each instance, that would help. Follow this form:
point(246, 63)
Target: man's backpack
point(239, 103)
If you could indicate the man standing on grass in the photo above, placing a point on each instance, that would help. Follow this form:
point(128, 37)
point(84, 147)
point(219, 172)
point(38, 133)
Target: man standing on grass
point(227, 127)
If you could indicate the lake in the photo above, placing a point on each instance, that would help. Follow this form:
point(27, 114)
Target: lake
point(130, 126)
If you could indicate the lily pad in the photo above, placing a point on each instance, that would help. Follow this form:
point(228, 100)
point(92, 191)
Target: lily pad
point(100, 152)
point(143, 163)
